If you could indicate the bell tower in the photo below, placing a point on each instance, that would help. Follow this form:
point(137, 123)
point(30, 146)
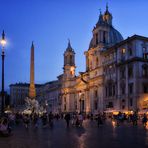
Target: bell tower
point(69, 62)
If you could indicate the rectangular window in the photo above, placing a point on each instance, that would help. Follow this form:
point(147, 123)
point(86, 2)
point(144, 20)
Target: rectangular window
point(122, 72)
point(104, 37)
point(123, 89)
point(123, 107)
point(131, 88)
point(110, 104)
point(130, 51)
point(131, 102)
point(130, 71)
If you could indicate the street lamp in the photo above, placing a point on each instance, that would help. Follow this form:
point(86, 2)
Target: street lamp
point(3, 43)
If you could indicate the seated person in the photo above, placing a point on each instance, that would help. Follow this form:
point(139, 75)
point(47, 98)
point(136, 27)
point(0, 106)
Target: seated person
point(4, 128)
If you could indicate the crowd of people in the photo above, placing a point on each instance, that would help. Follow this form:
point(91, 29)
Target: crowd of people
point(71, 119)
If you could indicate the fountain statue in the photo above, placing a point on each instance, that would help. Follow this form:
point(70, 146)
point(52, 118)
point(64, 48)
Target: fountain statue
point(33, 106)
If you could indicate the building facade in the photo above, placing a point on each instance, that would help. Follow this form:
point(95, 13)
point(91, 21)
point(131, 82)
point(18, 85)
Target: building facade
point(115, 76)
point(19, 92)
point(50, 96)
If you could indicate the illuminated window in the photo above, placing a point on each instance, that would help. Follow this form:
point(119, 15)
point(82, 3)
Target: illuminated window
point(123, 51)
point(72, 71)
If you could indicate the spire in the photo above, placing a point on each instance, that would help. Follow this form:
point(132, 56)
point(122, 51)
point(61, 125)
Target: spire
point(69, 48)
point(107, 11)
point(100, 21)
point(69, 45)
point(32, 45)
point(107, 17)
point(106, 6)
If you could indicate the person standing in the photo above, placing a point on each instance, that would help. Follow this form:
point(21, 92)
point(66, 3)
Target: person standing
point(99, 120)
point(144, 120)
point(67, 118)
point(50, 119)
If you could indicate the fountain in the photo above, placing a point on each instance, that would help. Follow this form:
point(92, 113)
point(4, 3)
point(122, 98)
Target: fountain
point(33, 106)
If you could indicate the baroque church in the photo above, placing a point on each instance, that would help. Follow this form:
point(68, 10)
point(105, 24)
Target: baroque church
point(115, 79)
point(116, 72)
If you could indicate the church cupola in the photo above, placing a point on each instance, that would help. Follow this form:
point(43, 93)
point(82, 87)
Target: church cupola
point(104, 34)
point(69, 61)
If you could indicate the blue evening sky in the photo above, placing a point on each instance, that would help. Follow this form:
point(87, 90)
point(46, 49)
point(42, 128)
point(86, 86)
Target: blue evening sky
point(49, 23)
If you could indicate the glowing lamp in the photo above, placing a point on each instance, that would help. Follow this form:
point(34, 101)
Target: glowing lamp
point(3, 41)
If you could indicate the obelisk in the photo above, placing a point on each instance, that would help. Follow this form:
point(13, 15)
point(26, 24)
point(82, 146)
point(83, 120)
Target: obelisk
point(32, 91)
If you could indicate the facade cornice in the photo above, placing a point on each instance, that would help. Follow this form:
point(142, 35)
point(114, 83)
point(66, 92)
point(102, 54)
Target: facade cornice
point(134, 59)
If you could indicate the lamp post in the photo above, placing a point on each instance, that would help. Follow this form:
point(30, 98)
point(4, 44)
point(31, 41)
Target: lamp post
point(3, 42)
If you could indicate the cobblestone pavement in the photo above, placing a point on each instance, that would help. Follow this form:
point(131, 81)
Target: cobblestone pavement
point(90, 136)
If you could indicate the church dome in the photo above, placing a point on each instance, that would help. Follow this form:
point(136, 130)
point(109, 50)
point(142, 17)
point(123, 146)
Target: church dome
point(114, 37)
point(104, 33)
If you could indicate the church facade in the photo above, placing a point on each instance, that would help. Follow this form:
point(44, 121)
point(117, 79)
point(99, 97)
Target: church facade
point(116, 76)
